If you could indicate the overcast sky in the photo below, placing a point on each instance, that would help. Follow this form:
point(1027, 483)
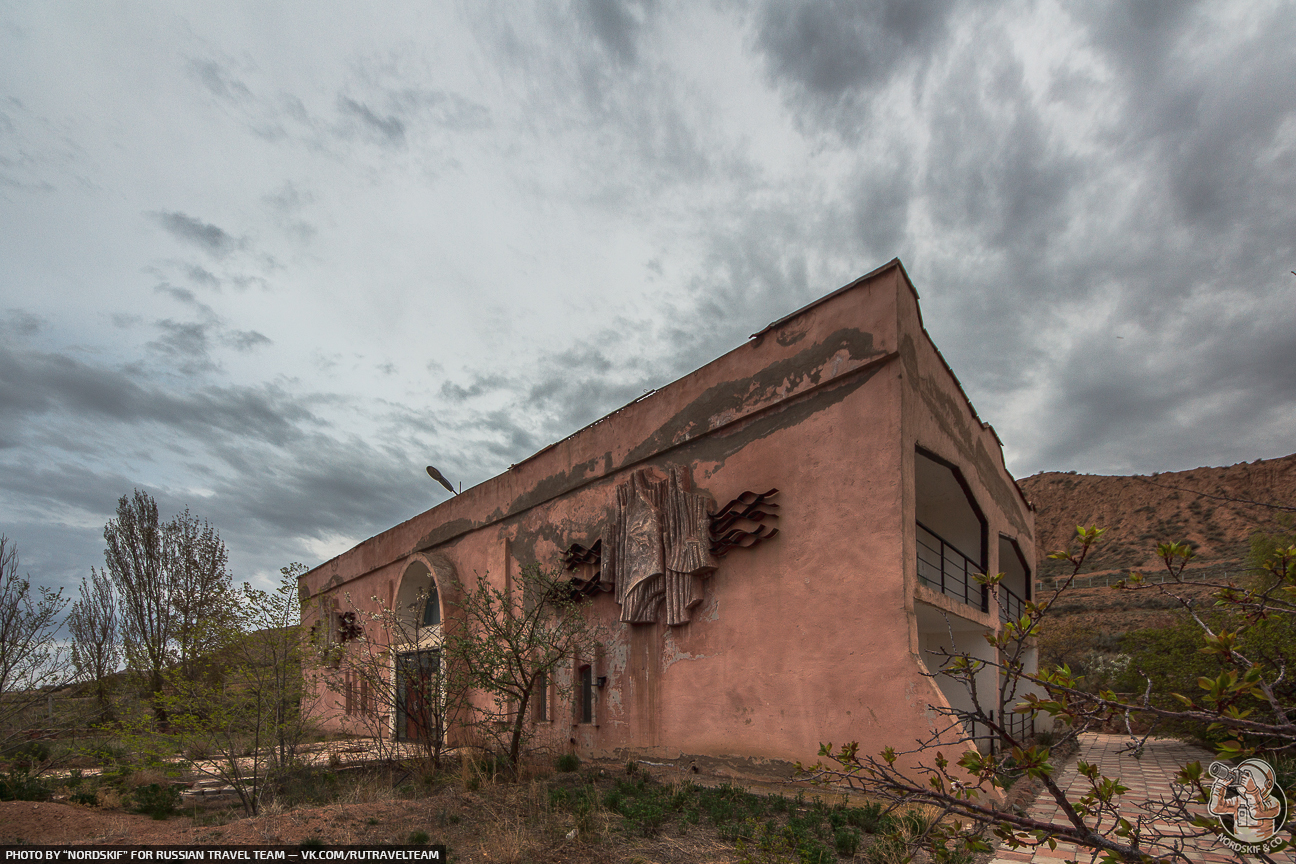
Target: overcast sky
point(269, 260)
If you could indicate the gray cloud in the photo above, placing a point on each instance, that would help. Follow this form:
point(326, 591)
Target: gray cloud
point(389, 129)
point(832, 55)
point(185, 345)
point(1139, 182)
point(246, 340)
point(204, 235)
point(218, 80)
point(20, 324)
point(34, 383)
point(202, 276)
point(481, 384)
point(616, 24)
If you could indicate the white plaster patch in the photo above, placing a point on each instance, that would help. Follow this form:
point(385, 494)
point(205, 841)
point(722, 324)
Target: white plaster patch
point(672, 653)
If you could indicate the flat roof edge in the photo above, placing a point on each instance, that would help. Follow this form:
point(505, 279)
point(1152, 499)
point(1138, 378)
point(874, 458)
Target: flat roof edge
point(894, 262)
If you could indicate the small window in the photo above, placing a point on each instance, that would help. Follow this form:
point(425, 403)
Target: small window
point(432, 609)
point(587, 694)
point(540, 698)
point(359, 697)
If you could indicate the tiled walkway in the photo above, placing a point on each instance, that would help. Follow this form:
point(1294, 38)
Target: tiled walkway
point(1150, 779)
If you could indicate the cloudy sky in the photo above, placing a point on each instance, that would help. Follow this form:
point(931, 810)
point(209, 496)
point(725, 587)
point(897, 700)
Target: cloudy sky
point(268, 260)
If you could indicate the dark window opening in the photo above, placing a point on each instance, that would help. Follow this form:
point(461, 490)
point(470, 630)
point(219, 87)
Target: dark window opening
point(1015, 588)
point(432, 609)
point(587, 694)
point(359, 698)
point(951, 531)
point(540, 697)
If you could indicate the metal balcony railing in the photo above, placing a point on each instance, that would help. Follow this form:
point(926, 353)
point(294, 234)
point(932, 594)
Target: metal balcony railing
point(1011, 607)
point(1020, 726)
point(943, 568)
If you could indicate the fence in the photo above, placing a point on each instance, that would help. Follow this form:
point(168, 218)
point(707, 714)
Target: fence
point(1150, 577)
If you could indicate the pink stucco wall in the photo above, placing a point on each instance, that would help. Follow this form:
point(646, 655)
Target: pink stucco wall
point(805, 638)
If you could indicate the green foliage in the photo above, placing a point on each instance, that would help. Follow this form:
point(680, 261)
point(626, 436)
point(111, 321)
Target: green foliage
point(511, 641)
point(19, 784)
point(1176, 660)
point(568, 762)
point(763, 827)
point(846, 841)
point(1266, 544)
point(30, 755)
point(245, 727)
point(158, 800)
point(1220, 673)
point(417, 838)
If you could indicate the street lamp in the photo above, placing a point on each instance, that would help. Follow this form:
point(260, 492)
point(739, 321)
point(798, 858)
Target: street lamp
point(440, 478)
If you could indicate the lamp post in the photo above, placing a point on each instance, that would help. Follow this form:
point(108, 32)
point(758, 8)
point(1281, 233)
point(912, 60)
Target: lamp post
point(440, 478)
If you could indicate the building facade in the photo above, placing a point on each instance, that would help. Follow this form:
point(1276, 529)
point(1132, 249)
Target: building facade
point(774, 545)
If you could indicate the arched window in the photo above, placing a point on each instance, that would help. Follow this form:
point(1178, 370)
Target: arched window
point(432, 609)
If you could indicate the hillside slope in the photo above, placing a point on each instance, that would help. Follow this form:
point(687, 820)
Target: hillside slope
point(1215, 509)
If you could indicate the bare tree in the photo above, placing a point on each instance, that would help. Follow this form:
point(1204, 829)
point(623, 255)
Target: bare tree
point(137, 556)
point(201, 598)
point(93, 625)
point(29, 659)
point(173, 589)
point(510, 644)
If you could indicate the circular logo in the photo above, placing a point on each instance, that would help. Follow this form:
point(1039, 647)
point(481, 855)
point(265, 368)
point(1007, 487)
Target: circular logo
point(1249, 804)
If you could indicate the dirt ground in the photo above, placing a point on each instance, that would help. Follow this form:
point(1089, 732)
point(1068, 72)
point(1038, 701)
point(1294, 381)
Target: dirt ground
point(486, 826)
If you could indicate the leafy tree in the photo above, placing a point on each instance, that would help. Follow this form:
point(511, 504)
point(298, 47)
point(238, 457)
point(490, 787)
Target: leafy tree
point(30, 660)
point(201, 596)
point(511, 643)
point(246, 727)
point(1241, 696)
point(173, 590)
point(93, 625)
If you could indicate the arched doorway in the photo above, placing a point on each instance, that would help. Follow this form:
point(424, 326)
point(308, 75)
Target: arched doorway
point(419, 715)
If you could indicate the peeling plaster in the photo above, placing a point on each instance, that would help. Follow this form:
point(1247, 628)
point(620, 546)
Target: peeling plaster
point(672, 653)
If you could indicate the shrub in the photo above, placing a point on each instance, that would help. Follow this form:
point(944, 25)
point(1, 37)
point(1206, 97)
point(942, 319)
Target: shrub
point(31, 755)
point(872, 818)
point(20, 785)
point(417, 838)
point(568, 762)
point(158, 800)
point(846, 840)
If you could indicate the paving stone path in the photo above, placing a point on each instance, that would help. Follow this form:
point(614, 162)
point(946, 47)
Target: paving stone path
point(1150, 779)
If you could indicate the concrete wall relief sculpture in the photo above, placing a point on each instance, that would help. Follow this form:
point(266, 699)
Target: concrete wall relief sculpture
point(586, 567)
point(659, 547)
point(743, 522)
point(663, 539)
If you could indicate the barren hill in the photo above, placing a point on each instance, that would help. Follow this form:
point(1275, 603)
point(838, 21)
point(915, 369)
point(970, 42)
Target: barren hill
point(1215, 509)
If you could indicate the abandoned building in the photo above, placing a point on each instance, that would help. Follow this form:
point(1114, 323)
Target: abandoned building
point(863, 496)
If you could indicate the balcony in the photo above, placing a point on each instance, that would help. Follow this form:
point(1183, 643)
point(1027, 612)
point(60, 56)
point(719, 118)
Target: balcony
point(1011, 607)
point(943, 568)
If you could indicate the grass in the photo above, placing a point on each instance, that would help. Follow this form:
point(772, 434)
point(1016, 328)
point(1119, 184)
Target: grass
point(761, 827)
point(558, 810)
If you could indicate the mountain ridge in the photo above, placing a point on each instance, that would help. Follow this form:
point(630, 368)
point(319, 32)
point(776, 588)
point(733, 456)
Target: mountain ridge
point(1215, 509)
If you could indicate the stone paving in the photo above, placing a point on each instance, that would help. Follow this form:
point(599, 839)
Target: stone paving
point(1150, 779)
